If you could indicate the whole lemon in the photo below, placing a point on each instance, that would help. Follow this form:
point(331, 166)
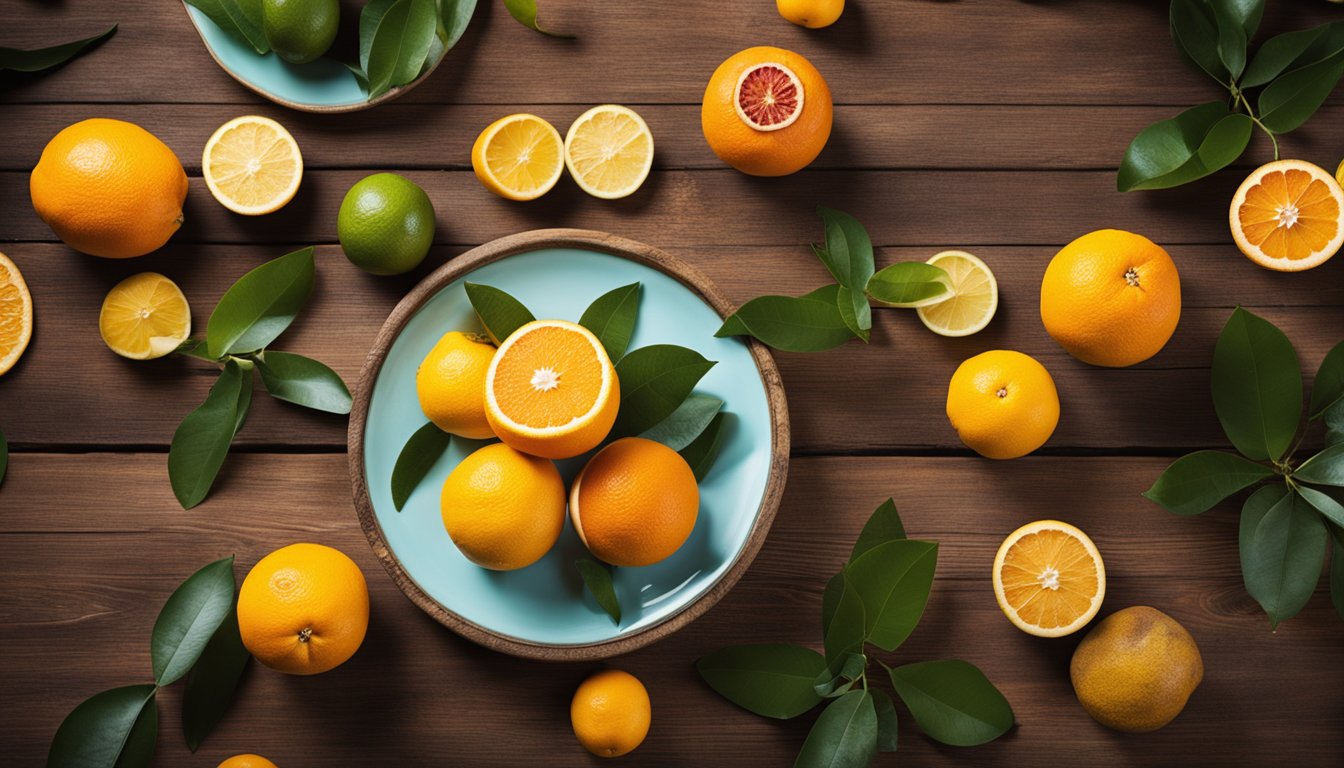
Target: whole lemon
point(813, 14)
point(300, 30)
point(1136, 669)
point(451, 384)
point(303, 609)
point(246, 761)
point(610, 713)
point(503, 508)
point(385, 224)
point(109, 188)
point(1111, 298)
point(1003, 404)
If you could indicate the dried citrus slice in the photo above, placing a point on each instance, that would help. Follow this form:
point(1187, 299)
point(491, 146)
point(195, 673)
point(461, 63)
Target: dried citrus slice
point(768, 97)
point(609, 151)
point(1049, 579)
point(144, 316)
point(551, 390)
point(519, 157)
point(16, 314)
point(975, 296)
point(1288, 215)
point(252, 165)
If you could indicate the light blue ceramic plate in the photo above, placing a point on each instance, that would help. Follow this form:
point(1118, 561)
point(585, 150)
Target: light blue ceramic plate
point(543, 610)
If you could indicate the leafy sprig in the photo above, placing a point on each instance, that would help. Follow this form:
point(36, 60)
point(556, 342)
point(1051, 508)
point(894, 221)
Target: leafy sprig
point(1294, 73)
point(39, 59)
point(195, 636)
point(249, 316)
point(1287, 524)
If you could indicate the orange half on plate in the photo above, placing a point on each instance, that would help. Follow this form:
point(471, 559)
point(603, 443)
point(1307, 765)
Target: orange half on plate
point(1049, 578)
point(1288, 215)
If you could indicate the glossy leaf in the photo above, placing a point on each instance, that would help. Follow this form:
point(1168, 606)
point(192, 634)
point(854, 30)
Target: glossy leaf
point(454, 15)
point(686, 423)
point(702, 451)
point(261, 305)
point(1190, 146)
point(38, 59)
point(4, 456)
point(1292, 50)
point(1328, 388)
point(1195, 32)
point(197, 348)
point(1281, 562)
point(1337, 576)
point(810, 323)
point(773, 680)
point(894, 580)
point(1326, 505)
point(1231, 37)
point(846, 631)
point(369, 17)
point(500, 313)
point(240, 19)
point(655, 381)
point(1196, 482)
point(597, 580)
point(1286, 103)
point(886, 720)
point(830, 600)
point(848, 252)
point(401, 42)
point(525, 12)
point(188, 620)
point(1247, 13)
point(844, 736)
point(883, 525)
point(611, 318)
point(202, 440)
point(94, 734)
point(840, 675)
point(1257, 386)
point(421, 451)
point(1253, 511)
point(138, 751)
point(213, 680)
point(855, 311)
point(1325, 468)
point(909, 282)
point(303, 381)
point(953, 701)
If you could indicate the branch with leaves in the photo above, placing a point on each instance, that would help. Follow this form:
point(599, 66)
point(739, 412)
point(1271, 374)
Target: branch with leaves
point(1293, 73)
point(1286, 525)
point(249, 316)
point(877, 599)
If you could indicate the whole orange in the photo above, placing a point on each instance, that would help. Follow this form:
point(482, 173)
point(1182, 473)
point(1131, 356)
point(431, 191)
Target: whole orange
point(109, 188)
point(635, 503)
point(303, 609)
point(504, 509)
point(1003, 404)
point(766, 111)
point(611, 713)
point(1111, 298)
point(247, 761)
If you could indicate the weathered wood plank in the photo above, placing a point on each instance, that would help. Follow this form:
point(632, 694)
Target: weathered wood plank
point(416, 694)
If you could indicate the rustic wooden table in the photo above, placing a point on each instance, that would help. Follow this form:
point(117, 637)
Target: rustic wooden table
point(988, 124)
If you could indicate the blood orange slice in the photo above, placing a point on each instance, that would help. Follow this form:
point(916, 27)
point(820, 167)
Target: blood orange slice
point(768, 97)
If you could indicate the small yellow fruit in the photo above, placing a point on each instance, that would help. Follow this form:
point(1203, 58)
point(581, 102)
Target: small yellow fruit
point(610, 713)
point(451, 384)
point(1003, 404)
point(144, 317)
point(503, 508)
point(1135, 670)
point(252, 165)
point(813, 14)
point(247, 761)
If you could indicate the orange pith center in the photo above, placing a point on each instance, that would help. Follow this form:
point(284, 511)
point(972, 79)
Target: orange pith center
point(1049, 579)
point(548, 378)
point(1289, 215)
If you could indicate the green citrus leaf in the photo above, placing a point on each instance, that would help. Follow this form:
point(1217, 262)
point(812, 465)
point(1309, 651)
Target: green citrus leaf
point(1247, 13)
point(1286, 103)
point(1257, 386)
point(953, 701)
point(830, 600)
point(597, 580)
point(1231, 37)
point(886, 720)
point(810, 323)
point(848, 253)
point(190, 617)
point(1282, 553)
point(845, 632)
point(1196, 482)
point(1337, 575)
point(1190, 146)
point(893, 579)
point(98, 732)
point(910, 284)
point(1328, 388)
point(883, 525)
point(611, 318)
point(772, 680)
point(240, 19)
point(369, 17)
point(655, 381)
point(400, 44)
point(454, 15)
point(840, 676)
point(138, 751)
point(500, 313)
point(702, 451)
point(1326, 505)
point(844, 736)
point(261, 305)
point(1293, 50)
point(855, 312)
point(679, 430)
point(1195, 32)
point(525, 12)
point(38, 59)
point(202, 440)
point(421, 451)
point(303, 381)
point(212, 681)
point(1325, 468)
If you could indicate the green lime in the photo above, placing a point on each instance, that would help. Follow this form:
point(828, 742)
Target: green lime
point(386, 224)
point(300, 30)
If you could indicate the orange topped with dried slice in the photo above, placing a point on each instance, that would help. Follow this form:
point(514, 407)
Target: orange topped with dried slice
point(1288, 215)
point(1049, 578)
point(551, 390)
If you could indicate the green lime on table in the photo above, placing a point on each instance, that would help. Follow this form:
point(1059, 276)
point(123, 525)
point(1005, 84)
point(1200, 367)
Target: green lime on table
point(386, 224)
point(300, 30)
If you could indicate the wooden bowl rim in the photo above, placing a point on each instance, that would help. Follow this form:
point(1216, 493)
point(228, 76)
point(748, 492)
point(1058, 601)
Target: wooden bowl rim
point(601, 242)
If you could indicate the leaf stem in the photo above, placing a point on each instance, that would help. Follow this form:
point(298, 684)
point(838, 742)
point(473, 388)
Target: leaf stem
point(1238, 96)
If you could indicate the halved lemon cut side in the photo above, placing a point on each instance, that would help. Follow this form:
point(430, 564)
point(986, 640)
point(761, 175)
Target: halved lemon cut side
point(609, 151)
point(519, 157)
point(252, 165)
point(1288, 215)
point(144, 316)
point(1049, 578)
point(975, 296)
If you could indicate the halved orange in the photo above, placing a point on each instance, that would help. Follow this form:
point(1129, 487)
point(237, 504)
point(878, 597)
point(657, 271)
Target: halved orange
point(551, 390)
point(16, 314)
point(1288, 215)
point(1049, 578)
point(519, 157)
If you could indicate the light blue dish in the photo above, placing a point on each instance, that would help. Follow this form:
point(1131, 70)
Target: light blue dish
point(545, 603)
